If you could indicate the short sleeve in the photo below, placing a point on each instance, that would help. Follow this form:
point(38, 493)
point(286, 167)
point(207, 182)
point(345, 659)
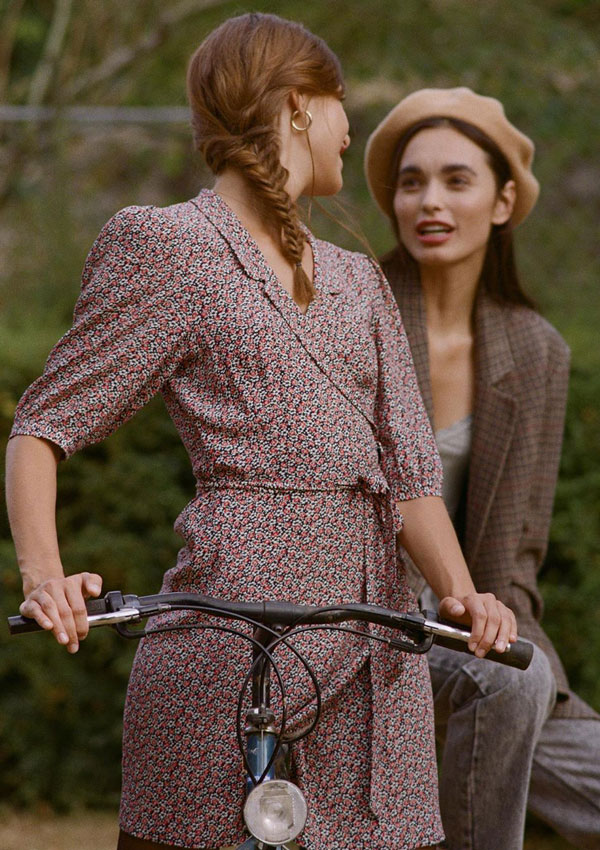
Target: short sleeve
point(129, 335)
point(411, 462)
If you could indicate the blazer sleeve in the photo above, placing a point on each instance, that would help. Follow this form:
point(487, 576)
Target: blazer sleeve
point(129, 334)
point(410, 462)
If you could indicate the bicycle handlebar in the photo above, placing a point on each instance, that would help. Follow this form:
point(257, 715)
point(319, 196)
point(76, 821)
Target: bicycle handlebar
point(114, 609)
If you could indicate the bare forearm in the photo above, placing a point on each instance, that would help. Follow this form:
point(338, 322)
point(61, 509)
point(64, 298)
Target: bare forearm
point(55, 601)
point(429, 538)
point(31, 500)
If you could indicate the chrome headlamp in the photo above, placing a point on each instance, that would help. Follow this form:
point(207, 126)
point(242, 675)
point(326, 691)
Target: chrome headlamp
point(275, 811)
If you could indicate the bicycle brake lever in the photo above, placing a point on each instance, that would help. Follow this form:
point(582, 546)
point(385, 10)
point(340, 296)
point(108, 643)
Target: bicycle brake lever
point(415, 648)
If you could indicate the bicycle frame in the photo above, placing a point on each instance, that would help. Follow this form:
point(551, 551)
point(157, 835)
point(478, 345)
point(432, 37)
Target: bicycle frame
point(266, 762)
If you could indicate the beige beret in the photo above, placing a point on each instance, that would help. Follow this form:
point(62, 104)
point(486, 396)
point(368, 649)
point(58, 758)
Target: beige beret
point(485, 113)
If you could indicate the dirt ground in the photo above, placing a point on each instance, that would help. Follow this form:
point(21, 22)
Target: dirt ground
point(98, 831)
point(82, 831)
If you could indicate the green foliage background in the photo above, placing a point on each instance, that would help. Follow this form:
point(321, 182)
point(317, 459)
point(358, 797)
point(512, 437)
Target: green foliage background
point(60, 716)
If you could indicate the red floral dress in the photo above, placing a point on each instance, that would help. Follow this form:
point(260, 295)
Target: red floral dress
point(281, 414)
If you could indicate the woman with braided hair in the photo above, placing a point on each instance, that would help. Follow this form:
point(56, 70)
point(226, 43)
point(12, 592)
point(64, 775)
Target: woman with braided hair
point(283, 363)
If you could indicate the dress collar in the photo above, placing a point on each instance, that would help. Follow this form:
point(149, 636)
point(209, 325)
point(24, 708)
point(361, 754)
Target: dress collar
point(249, 254)
point(233, 231)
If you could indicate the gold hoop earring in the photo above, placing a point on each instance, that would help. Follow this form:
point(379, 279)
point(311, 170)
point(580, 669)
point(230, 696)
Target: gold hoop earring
point(308, 119)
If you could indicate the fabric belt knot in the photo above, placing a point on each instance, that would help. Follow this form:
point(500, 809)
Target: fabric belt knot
point(387, 507)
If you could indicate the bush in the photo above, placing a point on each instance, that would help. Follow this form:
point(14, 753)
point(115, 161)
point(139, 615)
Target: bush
point(60, 724)
point(571, 578)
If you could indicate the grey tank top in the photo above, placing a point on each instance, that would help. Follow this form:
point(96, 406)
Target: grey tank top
point(454, 446)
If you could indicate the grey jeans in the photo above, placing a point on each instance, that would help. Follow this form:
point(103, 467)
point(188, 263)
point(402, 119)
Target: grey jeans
point(502, 752)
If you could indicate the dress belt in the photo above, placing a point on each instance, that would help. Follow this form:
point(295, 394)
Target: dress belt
point(378, 491)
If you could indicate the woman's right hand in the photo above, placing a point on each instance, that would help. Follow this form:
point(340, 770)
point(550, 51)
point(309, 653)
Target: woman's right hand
point(55, 602)
point(58, 605)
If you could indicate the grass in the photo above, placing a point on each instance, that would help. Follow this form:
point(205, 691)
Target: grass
point(99, 830)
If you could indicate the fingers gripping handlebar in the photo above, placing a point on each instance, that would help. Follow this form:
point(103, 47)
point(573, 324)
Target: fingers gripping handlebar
point(425, 627)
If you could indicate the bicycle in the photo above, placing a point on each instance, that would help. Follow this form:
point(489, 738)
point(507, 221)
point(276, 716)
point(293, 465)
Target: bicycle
point(275, 809)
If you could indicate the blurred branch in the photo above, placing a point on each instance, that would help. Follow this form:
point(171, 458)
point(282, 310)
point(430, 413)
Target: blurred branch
point(51, 54)
point(21, 145)
point(19, 149)
point(121, 58)
point(8, 32)
point(95, 114)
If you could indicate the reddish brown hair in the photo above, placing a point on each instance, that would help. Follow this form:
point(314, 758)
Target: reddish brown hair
point(238, 82)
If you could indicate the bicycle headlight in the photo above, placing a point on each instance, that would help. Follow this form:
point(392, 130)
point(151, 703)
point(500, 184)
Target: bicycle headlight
point(275, 811)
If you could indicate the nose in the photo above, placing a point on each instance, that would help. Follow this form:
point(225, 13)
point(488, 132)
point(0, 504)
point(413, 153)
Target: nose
point(346, 143)
point(431, 198)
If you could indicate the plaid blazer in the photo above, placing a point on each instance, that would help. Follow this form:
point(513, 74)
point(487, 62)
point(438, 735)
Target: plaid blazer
point(522, 369)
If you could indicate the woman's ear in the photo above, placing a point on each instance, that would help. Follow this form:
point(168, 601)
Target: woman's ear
point(294, 101)
point(505, 203)
point(298, 102)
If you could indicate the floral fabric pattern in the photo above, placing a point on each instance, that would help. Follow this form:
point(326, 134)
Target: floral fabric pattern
point(304, 432)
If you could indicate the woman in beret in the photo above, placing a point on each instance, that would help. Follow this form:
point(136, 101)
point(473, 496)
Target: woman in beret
point(454, 177)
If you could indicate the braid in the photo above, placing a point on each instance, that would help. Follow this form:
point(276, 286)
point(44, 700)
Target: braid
point(268, 177)
point(256, 153)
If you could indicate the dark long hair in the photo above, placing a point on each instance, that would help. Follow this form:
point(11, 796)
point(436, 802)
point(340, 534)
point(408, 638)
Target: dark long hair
point(499, 277)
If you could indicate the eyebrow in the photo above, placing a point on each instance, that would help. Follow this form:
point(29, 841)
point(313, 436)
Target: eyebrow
point(447, 169)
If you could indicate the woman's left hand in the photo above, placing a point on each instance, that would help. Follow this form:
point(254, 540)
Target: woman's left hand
point(492, 623)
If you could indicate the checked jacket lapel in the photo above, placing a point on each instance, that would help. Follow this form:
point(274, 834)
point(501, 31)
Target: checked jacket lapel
point(495, 404)
point(496, 411)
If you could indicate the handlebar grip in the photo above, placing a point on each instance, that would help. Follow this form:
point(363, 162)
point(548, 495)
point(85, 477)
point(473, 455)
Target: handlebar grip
point(19, 625)
point(518, 655)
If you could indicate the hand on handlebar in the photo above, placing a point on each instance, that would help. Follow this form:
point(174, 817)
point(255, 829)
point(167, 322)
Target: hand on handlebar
point(492, 623)
point(58, 605)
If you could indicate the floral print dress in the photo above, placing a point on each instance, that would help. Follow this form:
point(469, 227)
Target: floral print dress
point(304, 431)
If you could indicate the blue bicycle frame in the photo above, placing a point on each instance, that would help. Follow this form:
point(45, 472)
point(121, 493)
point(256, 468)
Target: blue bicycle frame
point(275, 809)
